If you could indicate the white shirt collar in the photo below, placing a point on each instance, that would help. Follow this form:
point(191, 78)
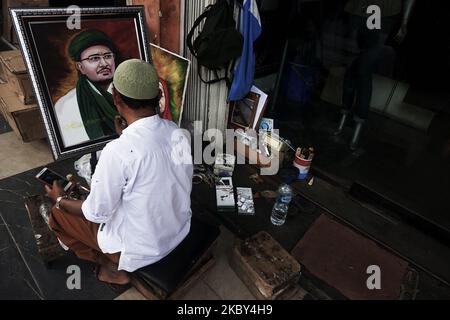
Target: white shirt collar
point(142, 122)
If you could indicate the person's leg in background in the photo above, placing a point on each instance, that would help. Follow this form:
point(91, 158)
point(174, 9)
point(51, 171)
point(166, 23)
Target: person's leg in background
point(354, 29)
point(371, 44)
point(348, 96)
point(80, 235)
point(364, 67)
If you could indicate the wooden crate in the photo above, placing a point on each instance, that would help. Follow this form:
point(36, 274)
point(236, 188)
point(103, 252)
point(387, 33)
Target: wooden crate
point(25, 120)
point(14, 72)
point(48, 246)
point(9, 32)
point(264, 266)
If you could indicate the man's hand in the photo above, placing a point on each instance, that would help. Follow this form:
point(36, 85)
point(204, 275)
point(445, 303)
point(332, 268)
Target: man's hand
point(120, 124)
point(55, 191)
point(72, 207)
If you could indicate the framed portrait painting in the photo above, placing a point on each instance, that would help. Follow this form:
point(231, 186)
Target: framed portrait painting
point(72, 68)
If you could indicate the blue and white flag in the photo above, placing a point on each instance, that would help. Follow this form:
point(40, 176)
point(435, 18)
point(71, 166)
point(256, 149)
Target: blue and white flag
point(250, 27)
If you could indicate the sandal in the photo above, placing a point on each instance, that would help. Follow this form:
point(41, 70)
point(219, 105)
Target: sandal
point(118, 288)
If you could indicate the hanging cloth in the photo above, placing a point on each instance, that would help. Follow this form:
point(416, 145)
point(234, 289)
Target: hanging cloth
point(250, 28)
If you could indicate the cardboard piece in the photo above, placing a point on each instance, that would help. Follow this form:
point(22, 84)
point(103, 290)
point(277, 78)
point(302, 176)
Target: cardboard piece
point(9, 33)
point(254, 157)
point(25, 120)
point(14, 72)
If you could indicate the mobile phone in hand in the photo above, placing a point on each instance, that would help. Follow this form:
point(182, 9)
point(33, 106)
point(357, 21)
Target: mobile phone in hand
point(48, 176)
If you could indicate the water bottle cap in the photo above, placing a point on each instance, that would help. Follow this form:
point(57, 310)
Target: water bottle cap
point(289, 181)
point(288, 175)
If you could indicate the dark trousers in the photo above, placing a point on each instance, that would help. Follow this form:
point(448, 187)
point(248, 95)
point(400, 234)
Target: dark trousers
point(357, 90)
point(80, 235)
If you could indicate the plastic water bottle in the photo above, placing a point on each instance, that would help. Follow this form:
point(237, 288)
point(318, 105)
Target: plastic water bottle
point(281, 206)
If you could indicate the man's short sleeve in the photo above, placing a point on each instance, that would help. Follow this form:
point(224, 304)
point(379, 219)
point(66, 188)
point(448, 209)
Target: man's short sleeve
point(107, 186)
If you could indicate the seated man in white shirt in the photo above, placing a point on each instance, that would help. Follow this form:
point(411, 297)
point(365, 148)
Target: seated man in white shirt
point(138, 209)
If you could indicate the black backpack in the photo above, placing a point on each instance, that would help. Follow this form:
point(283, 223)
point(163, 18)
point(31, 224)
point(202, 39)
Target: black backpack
point(219, 43)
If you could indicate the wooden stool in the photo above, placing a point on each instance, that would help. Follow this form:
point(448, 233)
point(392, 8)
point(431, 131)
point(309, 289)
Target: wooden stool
point(171, 276)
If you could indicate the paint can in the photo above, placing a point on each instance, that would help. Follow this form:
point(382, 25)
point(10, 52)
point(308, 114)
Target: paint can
point(302, 161)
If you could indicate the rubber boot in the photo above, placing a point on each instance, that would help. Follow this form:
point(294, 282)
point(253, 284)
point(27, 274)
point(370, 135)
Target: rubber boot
point(356, 134)
point(341, 124)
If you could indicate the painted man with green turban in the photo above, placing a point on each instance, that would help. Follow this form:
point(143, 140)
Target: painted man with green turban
point(87, 112)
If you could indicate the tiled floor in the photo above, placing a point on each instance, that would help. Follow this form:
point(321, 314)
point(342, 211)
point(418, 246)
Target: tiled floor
point(219, 283)
point(17, 156)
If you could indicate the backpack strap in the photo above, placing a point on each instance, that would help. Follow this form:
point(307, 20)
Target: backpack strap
point(196, 24)
point(216, 74)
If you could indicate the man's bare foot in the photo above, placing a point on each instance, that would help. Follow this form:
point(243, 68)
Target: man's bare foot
point(109, 273)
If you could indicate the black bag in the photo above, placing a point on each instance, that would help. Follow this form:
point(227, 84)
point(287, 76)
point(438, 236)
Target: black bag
point(219, 43)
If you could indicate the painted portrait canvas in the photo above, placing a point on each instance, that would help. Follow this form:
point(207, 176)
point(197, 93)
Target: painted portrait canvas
point(72, 69)
point(173, 71)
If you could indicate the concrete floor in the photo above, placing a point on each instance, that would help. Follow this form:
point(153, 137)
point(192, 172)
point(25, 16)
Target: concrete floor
point(219, 283)
point(17, 156)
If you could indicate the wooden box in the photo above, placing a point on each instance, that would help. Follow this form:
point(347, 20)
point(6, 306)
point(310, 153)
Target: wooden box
point(14, 72)
point(25, 120)
point(48, 246)
point(264, 266)
point(9, 33)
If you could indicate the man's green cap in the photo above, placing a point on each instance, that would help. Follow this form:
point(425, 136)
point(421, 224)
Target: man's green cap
point(86, 39)
point(136, 79)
